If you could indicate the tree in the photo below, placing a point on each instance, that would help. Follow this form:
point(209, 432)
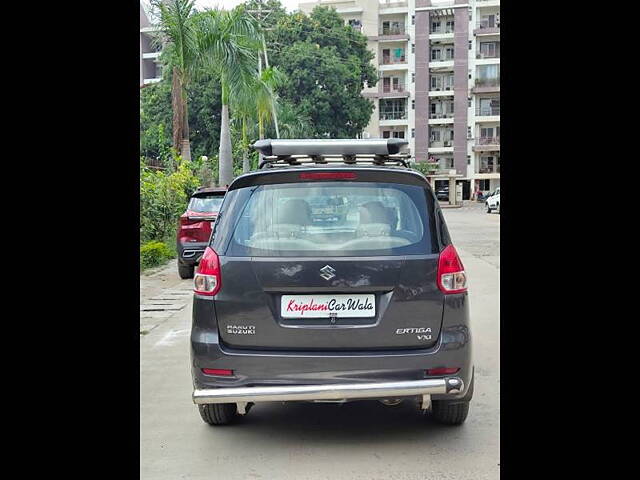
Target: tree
point(256, 99)
point(227, 45)
point(327, 65)
point(203, 98)
point(176, 23)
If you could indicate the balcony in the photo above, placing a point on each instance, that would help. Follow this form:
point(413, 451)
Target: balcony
point(442, 140)
point(488, 141)
point(391, 90)
point(486, 55)
point(392, 60)
point(487, 144)
point(444, 57)
point(393, 115)
point(441, 114)
point(393, 3)
point(442, 29)
point(488, 111)
point(392, 30)
point(486, 85)
point(487, 27)
point(489, 169)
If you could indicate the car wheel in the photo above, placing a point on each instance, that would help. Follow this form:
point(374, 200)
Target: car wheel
point(185, 271)
point(488, 209)
point(452, 412)
point(218, 413)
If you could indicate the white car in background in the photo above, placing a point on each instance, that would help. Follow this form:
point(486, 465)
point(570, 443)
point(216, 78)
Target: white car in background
point(493, 202)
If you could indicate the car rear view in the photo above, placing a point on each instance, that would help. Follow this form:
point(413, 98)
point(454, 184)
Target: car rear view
point(331, 281)
point(194, 228)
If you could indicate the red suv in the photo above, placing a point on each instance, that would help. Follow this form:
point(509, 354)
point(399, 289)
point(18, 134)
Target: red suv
point(194, 228)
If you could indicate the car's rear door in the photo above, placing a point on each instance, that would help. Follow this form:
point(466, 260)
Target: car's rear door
point(367, 281)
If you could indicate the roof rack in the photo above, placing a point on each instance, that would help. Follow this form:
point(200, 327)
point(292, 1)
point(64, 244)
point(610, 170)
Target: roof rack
point(380, 151)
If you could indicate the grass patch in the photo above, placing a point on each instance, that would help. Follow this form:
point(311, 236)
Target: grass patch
point(155, 253)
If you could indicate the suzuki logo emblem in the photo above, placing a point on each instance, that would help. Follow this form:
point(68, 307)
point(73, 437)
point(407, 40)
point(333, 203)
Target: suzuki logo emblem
point(327, 272)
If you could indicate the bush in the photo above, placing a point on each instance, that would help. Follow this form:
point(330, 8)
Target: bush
point(154, 253)
point(163, 198)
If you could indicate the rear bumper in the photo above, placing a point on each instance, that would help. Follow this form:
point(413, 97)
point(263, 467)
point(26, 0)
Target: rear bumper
point(190, 253)
point(326, 369)
point(337, 392)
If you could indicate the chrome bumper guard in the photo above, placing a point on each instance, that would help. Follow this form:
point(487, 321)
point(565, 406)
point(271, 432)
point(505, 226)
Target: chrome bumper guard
point(286, 393)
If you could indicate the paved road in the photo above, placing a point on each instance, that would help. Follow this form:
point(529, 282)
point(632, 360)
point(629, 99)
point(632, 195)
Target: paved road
point(359, 440)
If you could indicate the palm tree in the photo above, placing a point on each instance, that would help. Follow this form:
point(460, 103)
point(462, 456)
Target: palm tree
point(176, 23)
point(227, 44)
point(293, 124)
point(265, 97)
point(256, 99)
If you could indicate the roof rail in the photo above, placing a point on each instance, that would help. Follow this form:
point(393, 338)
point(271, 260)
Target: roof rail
point(379, 151)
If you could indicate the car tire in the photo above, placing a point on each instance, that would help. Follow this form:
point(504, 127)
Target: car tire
point(450, 413)
point(488, 209)
point(218, 413)
point(185, 271)
point(453, 412)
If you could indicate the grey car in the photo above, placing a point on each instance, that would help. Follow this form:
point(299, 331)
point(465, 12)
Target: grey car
point(370, 304)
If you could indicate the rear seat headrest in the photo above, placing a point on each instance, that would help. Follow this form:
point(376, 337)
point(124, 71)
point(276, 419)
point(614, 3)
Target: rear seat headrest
point(373, 212)
point(294, 212)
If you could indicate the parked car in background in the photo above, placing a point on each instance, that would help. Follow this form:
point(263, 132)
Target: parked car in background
point(493, 202)
point(294, 303)
point(194, 228)
point(442, 193)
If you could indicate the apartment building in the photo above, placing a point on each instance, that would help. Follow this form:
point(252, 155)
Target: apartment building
point(150, 66)
point(439, 88)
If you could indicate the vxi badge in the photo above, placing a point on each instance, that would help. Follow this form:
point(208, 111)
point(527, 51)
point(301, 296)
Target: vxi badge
point(423, 333)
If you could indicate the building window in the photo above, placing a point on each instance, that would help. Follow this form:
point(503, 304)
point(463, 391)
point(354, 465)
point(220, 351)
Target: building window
point(470, 44)
point(413, 19)
point(484, 185)
point(393, 109)
point(355, 24)
point(469, 132)
point(450, 26)
point(469, 102)
point(413, 78)
point(413, 48)
point(435, 27)
point(435, 54)
point(413, 104)
point(413, 133)
point(468, 159)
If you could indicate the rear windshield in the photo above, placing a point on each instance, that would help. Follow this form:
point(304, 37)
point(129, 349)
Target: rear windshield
point(205, 204)
point(333, 218)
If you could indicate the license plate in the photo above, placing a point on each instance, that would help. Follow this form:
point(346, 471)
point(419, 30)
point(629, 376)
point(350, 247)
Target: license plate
point(325, 306)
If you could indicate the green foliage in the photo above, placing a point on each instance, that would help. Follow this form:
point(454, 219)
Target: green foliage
point(154, 253)
point(163, 198)
point(204, 119)
point(327, 64)
point(424, 167)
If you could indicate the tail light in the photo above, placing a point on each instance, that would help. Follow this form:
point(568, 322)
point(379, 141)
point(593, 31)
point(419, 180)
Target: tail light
point(328, 176)
point(207, 280)
point(442, 371)
point(451, 276)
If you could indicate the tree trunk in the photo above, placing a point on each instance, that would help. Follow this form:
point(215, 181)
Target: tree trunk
point(245, 145)
point(225, 157)
point(177, 104)
point(185, 145)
